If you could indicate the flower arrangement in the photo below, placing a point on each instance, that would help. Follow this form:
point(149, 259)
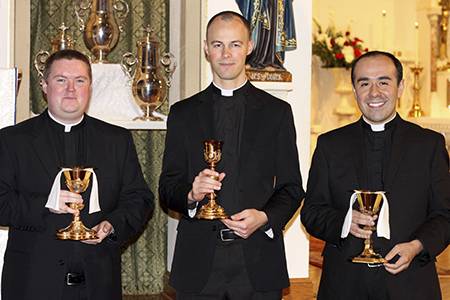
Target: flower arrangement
point(336, 49)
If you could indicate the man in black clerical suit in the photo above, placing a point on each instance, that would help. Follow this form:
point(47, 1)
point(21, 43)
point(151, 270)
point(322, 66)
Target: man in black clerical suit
point(36, 264)
point(380, 152)
point(259, 181)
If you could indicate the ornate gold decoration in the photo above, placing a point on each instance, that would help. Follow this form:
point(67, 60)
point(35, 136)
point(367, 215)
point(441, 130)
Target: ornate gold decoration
point(212, 153)
point(77, 181)
point(268, 74)
point(151, 76)
point(101, 32)
point(61, 41)
point(369, 204)
point(416, 110)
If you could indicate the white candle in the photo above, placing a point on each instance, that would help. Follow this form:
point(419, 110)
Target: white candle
point(383, 29)
point(416, 25)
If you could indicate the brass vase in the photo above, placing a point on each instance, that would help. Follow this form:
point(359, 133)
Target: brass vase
point(101, 32)
point(150, 75)
point(212, 153)
point(77, 181)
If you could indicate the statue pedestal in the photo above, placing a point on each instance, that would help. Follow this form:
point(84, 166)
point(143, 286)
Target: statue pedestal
point(277, 89)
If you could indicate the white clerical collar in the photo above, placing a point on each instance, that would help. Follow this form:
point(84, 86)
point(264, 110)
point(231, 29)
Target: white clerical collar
point(228, 92)
point(67, 127)
point(378, 127)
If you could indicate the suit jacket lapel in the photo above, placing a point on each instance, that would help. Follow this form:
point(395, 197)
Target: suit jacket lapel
point(357, 146)
point(205, 114)
point(252, 121)
point(397, 153)
point(44, 147)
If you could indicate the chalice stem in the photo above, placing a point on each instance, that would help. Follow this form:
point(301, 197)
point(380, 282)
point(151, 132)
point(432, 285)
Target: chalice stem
point(367, 245)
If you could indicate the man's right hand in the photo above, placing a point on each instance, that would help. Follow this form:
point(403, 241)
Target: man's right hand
point(64, 198)
point(358, 221)
point(207, 181)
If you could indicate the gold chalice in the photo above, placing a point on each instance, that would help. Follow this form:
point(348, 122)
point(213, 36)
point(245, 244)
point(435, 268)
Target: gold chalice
point(212, 154)
point(369, 204)
point(77, 180)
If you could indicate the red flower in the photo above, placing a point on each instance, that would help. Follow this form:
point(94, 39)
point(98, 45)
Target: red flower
point(339, 55)
point(347, 33)
point(357, 52)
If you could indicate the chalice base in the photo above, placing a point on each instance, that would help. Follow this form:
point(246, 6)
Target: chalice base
point(211, 212)
point(148, 118)
point(76, 231)
point(369, 257)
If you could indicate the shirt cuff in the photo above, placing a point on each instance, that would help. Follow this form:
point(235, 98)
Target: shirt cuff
point(192, 211)
point(269, 233)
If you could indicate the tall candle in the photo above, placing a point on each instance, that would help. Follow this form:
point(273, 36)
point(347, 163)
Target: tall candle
point(383, 29)
point(416, 25)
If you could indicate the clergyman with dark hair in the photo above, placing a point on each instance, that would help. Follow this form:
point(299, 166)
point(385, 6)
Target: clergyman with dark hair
point(379, 152)
point(258, 180)
point(37, 265)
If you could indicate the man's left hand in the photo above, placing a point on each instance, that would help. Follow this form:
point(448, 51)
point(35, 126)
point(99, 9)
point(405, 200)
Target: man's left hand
point(246, 222)
point(103, 229)
point(406, 253)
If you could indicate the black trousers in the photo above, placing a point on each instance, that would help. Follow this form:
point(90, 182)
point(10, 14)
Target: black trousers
point(74, 292)
point(229, 279)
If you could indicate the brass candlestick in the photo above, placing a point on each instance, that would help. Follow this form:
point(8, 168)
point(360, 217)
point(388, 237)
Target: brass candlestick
point(212, 154)
point(416, 110)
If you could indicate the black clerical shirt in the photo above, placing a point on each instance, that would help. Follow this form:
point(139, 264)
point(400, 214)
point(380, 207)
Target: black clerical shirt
point(377, 149)
point(69, 143)
point(229, 112)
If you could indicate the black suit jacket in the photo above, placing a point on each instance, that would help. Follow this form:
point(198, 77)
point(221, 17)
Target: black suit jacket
point(269, 180)
point(35, 261)
point(417, 186)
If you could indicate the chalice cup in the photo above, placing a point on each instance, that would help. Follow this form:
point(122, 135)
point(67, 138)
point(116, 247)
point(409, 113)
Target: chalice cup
point(212, 153)
point(369, 204)
point(77, 181)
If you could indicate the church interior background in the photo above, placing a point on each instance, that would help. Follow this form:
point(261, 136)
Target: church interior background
point(416, 31)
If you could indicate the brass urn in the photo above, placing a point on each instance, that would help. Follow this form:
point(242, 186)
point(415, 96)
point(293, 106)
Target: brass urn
point(101, 32)
point(61, 41)
point(150, 75)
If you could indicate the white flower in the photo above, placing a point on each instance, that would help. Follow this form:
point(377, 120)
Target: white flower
point(349, 54)
point(340, 41)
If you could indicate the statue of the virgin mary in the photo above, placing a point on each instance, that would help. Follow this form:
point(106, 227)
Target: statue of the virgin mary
point(273, 31)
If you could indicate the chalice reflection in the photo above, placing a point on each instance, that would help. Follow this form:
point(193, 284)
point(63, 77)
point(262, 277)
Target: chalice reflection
point(369, 204)
point(77, 181)
point(212, 153)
